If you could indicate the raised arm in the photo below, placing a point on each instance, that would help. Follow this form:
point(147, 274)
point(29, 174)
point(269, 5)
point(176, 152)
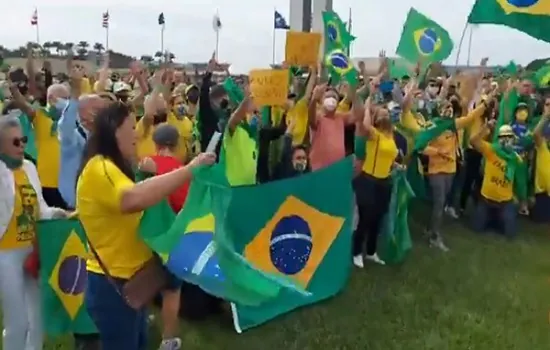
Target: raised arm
point(318, 92)
point(542, 124)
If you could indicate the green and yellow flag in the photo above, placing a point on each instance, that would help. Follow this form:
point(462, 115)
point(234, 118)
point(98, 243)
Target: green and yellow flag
point(529, 16)
point(542, 77)
point(337, 42)
point(423, 39)
point(62, 250)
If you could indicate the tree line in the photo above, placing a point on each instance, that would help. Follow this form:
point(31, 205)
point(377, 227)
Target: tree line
point(82, 50)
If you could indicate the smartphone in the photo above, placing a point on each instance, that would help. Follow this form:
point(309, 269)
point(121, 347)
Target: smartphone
point(213, 143)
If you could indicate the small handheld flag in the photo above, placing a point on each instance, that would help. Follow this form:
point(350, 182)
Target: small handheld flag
point(34, 18)
point(216, 23)
point(161, 19)
point(280, 22)
point(105, 20)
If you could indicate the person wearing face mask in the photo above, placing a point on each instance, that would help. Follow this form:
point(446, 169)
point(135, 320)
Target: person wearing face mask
point(294, 160)
point(45, 121)
point(373, 185)
point(21, 206)
point(431, 97)
point(442, 153)
point(328, 126)
point(213, 107)
point(503, 179)
point(522, 146)
point(73, 129)
point(192, 96)
point(156, 112)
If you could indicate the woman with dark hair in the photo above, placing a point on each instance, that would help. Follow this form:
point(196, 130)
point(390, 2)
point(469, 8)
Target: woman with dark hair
point(110, 205)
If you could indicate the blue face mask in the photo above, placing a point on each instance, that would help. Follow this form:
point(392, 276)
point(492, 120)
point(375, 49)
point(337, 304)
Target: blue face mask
point(181, 111)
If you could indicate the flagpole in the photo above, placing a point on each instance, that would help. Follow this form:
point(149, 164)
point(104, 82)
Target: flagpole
point(217, 36)
point(349, 31)
point(37, 34)
point(162, 38)
point(274, 33)
point(107, 39)
point(470, 44)
point(460, 43)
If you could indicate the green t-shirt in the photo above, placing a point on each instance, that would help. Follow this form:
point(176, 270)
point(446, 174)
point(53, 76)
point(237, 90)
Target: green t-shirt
point(240, 155)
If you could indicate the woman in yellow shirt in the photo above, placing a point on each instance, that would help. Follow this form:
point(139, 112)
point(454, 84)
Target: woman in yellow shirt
point(373, 185)
point(21, 206)
point(110, 206)
point(540, 212)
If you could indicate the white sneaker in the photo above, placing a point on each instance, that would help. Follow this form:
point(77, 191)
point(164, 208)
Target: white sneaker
point(438, 243)
point(170, 344)
point(358, 261)
point(451, 212)
point(374, 258)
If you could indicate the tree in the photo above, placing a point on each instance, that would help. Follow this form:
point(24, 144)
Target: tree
point(58, 46)
point(158, 55)
point(98, 47)
point(147, 59)
point(171, 56)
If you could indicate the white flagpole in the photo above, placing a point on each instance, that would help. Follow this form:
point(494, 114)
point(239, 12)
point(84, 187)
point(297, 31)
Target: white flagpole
point(274, 34)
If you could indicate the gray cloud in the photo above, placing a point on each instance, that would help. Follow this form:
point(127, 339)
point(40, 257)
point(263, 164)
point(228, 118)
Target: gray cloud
point(246, 38)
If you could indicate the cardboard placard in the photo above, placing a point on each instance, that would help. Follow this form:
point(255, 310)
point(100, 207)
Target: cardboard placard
point(302, 49)
point(269, 87)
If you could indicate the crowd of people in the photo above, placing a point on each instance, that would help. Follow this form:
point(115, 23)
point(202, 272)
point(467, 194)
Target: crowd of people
point(476, 136)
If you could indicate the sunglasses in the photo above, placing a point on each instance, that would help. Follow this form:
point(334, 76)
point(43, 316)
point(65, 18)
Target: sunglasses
point(20, 141)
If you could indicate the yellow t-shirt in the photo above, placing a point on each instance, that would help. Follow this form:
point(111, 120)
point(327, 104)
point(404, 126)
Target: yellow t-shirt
point(49, 151)
point(298, 113)
point(21, 229)
point(380, 155)
point(146, 146)
point(495, 187)
point(447, 143)
point(113, 234)
point(542, 171)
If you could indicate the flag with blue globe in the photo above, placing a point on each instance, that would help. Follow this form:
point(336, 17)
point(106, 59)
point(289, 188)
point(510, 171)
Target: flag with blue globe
point(423, 40)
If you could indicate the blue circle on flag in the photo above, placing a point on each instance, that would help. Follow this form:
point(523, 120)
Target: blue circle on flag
point(72, 275)
point(428, 41)
point(522, 3)
point(332, 32)
point(291, 244)
point(194, 255)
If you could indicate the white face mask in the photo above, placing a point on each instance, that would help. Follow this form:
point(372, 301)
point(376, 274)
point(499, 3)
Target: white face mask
point(420, 104)
point(330, 103)
point(432, 90)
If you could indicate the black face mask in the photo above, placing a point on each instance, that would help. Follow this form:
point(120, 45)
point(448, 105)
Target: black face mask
point(224, 103)
point(122, 98)
point(193, 98)
point(160, 117)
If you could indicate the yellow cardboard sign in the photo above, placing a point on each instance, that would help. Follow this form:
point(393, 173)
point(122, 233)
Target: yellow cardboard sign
point(302, 49)
point(269, 87)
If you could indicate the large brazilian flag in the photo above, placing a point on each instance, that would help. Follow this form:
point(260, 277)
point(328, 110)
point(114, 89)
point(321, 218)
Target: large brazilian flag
point(62, 250)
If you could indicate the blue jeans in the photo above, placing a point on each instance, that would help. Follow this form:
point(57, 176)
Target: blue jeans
point(120, 326)
point(503, 215)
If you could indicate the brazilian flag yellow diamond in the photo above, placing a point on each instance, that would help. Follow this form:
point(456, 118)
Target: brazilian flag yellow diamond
point(294, 241)
point(68, 278)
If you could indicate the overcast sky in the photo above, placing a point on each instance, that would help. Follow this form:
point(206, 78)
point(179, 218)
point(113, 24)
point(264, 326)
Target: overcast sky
point(246, 39)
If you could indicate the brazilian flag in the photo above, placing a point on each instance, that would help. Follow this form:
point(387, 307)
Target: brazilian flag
point(529, 16)
point(62, 250)
point(337, 43)
point(423, 39)
point(267, 257)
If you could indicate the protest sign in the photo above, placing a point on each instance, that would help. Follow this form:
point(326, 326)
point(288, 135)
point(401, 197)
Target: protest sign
point(269, 87)
point(302, 49)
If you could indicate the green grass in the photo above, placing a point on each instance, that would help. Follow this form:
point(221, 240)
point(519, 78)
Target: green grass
point(487, 293)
